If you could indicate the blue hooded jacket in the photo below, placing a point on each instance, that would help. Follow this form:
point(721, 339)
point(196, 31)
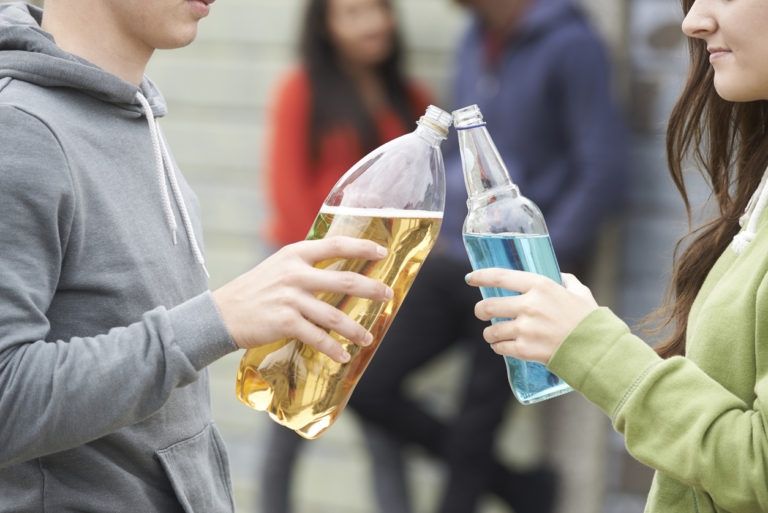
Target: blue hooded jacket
point(549, 108)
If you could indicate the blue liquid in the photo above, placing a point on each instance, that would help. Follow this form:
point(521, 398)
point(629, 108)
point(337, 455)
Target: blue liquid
point(531, 382)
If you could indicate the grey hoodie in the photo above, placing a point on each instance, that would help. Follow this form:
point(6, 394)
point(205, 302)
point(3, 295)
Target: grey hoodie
point(106, 325)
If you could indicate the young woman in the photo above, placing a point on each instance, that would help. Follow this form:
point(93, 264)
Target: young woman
point(694, 409)
point(347, 97)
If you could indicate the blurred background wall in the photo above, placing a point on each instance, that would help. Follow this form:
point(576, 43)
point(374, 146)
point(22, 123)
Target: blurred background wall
point(218, 91)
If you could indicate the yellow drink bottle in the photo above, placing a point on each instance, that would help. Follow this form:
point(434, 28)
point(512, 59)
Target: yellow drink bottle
point(394, 196)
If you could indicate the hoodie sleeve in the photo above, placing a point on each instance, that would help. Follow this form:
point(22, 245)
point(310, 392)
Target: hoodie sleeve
point(58, 394)
point(674, 417)
point(595, 138)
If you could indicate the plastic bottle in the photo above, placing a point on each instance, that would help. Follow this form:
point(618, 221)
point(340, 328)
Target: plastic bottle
point(394, 196)
point(504, 229)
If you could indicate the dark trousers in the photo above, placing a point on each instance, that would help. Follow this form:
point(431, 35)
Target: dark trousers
point(282, 451)
point(438, 313)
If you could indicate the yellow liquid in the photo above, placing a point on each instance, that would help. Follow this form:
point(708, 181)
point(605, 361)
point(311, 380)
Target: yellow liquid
point(297, 385)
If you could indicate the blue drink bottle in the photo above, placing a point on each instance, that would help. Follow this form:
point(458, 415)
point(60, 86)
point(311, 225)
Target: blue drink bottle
point(504, 229)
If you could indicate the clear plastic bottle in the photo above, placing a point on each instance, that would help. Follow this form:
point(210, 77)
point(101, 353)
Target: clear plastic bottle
point(504, 229)
point(394, 196)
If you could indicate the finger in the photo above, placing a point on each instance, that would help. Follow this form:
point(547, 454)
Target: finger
point(318, 338)
point(314, 251)
point(498, 308)
point(326, 316)
point(345, 282)
point(514, 280)
point(507, 348)
point(521, 350)
point(500, 331)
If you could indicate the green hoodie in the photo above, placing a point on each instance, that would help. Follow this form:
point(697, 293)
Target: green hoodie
point(700, 420)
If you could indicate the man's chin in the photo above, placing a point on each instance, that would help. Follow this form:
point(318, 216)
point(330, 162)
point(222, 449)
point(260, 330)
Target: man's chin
point(179, 40)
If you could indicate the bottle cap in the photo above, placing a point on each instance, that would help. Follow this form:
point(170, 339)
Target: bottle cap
point(437, 119)
point(468, 117)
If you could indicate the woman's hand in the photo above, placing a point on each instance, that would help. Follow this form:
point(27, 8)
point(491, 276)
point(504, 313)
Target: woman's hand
point(542, 314)
point(275, 299)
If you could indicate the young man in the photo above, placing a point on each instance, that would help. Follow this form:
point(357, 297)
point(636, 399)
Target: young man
point(106, 321)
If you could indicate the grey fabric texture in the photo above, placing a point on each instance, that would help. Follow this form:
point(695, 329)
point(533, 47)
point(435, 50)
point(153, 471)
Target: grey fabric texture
point(106, 326)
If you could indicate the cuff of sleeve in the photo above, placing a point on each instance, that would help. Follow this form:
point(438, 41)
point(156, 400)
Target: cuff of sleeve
point(200, 331)
point(603, 360)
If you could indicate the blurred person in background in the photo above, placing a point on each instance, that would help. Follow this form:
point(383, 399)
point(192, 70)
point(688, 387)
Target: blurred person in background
point(541, 77)
point(347, 97)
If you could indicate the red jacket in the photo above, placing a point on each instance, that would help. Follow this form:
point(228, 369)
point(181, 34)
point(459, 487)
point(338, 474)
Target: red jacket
point(297, 184)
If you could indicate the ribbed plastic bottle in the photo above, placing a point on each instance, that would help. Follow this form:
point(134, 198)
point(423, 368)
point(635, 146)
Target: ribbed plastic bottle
point(504, 229)
point(394, 196)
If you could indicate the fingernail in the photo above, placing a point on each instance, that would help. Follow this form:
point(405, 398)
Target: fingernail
point(389, 293)
point(468, 277)
point(368, 339)
point(381, 251)
point(345, 357)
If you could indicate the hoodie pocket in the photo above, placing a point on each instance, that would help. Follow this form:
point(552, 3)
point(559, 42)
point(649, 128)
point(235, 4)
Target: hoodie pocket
point(199, 472)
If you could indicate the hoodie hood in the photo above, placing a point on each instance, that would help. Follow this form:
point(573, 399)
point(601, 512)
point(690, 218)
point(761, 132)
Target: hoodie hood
point(29, 53)
point(540, 18)
point(545, 14)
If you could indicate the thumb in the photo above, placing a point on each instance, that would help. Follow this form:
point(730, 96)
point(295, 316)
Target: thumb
point(572, 284)
point(570, 281)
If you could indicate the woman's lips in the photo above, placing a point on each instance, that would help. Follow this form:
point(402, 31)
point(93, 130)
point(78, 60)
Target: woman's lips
point(717, 53)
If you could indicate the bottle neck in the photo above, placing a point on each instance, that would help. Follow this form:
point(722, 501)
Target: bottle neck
point(479, 201)
point(430, 132)
point(484, 171)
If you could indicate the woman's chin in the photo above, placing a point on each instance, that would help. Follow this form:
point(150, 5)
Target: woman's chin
point(737, 93)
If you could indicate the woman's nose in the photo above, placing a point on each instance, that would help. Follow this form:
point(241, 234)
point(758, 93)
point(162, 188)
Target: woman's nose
point(699, 22)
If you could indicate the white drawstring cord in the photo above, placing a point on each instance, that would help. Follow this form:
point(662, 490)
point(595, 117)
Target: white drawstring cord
point(182, 207)
point(166, 200)
point(751, 216)
point(166, 174)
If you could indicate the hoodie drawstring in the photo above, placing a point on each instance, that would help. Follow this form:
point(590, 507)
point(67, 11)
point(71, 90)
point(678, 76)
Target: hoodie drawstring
point(165, 175)
point(751, 216)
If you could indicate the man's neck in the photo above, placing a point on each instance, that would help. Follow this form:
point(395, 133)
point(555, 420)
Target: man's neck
point(96, 36)
point(501, 16)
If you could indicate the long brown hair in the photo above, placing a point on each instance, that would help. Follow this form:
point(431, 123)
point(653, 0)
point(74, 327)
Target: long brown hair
point(727, 141)
point(335, 99)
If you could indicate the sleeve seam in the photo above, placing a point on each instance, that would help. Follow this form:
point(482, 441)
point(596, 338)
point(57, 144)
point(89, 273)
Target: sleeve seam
point(70, 178)
point(632, 388)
